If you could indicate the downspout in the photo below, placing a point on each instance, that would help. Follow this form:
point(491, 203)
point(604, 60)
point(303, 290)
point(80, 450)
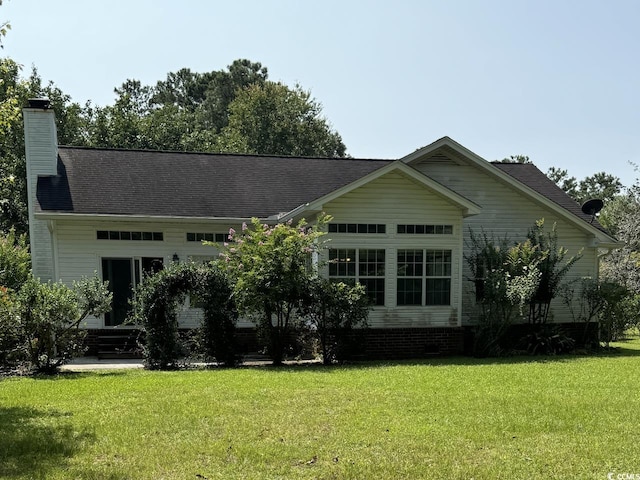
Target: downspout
point(51, 226)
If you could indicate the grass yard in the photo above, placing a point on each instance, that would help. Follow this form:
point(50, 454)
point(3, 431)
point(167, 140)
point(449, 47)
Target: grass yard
point(457, 418)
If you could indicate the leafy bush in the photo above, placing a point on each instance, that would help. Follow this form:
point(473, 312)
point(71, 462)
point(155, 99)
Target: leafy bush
point(9, 333)
point(49, 317)
point(15, 261)
point(553, 268)
point(512, 279)
point(506, 278)
point(612, 305)
point(270, 267)
point(220, 317)
point(335, 310)
point(155, 309)
point(619, 313)
point(546, 341)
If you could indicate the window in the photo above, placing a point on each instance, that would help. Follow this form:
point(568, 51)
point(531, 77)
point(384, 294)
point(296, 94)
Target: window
point(425, 229)
point(424, 277)
point(365, 266)
point(357, 228)
point(119, 235)
point(207, 237)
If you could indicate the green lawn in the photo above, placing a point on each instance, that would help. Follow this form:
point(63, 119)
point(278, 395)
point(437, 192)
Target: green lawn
point(562, 417)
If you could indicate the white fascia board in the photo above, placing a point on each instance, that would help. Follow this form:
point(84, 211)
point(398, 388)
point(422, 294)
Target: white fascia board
point(480, 162)
point(607, 245)
point(141, 218)
point(467, 206)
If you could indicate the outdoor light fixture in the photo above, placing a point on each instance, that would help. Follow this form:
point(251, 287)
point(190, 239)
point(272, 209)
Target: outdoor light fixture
point(176, 258)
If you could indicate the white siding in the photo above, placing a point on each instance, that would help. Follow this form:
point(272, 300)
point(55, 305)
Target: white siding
point(395, 199)
point(79, 252)
point(391, 200)
point(506, 212)
point(41, 149)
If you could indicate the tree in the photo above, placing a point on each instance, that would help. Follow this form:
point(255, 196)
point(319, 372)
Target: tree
point(599, 185)
point(14, 93)
point(234, 110)
point(15, 268)
point(506, 278)
point(123, 124)
point(516, 159)
point(183, 89)
point(270, 269)
point(622, 265)
point(223, 88)
point(4, 28)
point(276, 120)
point(564, 181)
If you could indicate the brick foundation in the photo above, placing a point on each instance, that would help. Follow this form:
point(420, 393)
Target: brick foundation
point(399, 343)
point(388, 343)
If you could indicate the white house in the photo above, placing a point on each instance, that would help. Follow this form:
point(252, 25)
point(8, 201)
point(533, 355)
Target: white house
point(399, 226)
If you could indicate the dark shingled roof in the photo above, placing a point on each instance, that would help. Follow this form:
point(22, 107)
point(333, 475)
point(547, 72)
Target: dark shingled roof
point(201, 185)
point(531, 176)
point(139, 182)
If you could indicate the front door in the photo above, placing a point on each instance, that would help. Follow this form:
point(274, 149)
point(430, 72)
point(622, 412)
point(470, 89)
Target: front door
point(123, 274)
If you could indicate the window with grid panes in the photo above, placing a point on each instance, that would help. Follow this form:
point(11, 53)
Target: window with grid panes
point(424, 277)
point(365, 266)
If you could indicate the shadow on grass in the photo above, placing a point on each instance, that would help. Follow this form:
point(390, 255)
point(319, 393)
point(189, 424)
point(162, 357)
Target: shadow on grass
point(620, 350)
point(34, 442)
point(69, 375)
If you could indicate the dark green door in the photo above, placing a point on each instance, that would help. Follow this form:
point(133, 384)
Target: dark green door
point(119, 273)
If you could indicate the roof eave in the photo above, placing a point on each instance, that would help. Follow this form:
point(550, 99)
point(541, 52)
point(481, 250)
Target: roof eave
point(137, 218)
point(467, 207)
point(495, 171)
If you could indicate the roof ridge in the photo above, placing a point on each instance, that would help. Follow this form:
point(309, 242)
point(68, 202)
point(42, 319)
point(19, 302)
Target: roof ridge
point(219, 154)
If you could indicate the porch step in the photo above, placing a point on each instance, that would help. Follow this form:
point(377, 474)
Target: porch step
point(118, 344)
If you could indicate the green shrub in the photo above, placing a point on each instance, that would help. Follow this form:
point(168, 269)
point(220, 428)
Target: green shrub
point(506, 278)
point(49, 317)
point(546, 341)
point(553, 269)
point(512, 279)
point(9, 333)
point(220, 317)
point(336, 309)
point(15, 261)
point(619, 313)
point(270, 267)
point(155, 309)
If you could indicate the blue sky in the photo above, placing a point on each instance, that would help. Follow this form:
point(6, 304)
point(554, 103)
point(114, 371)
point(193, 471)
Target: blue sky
point(556, 80)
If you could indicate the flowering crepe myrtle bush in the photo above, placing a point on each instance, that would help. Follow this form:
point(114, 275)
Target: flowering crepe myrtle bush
point(271, 270)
